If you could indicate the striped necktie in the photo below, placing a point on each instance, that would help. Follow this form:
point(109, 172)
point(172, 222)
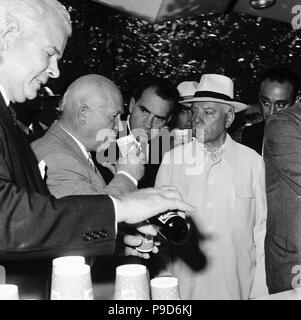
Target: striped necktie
point(91, 162)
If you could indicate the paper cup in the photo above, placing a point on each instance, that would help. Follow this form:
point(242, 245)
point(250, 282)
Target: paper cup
point(165, 288)
point(132, 282)
point(9, 292)
point(127, 144)
point(2, 275)
point(67, 260)
point(71, 282)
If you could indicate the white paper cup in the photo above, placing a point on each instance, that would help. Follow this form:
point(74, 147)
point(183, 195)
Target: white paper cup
point(67, 260)
point(132, 282)
point(2, 275)
point(165, 288)
point(127, 144)
point(71, 282)
point(9, 292)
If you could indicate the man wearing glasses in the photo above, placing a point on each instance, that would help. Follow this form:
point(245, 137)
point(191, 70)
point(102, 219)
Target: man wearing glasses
point(278, 90)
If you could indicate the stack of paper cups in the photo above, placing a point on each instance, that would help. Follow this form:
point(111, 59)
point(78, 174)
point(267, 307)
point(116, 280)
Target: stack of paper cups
point(71, 279)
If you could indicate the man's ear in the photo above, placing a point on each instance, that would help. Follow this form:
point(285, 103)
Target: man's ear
point(230, 115)
point(82, 114)
point(131, 105)
point(9, 34)
point(298, 98)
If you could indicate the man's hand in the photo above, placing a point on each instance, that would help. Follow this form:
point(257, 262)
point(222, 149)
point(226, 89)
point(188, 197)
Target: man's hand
point(133, 163)
point(131, 237)
point(131, 242)
point(143, 204)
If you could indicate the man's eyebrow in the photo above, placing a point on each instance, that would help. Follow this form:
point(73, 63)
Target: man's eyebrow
point(283, 100)
point(263, 96)
point(145, 108)
point(58, 52)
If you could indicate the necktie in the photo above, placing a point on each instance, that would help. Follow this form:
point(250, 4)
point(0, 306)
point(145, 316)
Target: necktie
point(91, 162)
point(13, 113)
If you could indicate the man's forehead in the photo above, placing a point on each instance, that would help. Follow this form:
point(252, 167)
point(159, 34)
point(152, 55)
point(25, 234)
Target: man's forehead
point(275, 88)
point(155, 104)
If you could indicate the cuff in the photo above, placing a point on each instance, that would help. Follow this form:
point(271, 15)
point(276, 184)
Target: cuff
point(116, 212)
point(129, 176)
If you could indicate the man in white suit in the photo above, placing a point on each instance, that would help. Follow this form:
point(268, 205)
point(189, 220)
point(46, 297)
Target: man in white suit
point(225, 180)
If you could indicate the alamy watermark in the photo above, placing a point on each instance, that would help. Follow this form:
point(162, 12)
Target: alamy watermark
point(159, 142)
point(296, 281)
point(296, 21)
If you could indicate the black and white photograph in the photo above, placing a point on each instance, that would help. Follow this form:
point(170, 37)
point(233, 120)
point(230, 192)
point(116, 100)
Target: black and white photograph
point(150, 150)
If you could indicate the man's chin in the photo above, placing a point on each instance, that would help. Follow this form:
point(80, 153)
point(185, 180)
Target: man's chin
point(29, 96)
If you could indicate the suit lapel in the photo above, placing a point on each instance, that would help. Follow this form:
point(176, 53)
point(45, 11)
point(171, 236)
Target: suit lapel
point(72, 146)
point(20, 158)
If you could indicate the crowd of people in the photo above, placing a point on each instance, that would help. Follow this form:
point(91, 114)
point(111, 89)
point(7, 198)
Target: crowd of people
point(65, 193)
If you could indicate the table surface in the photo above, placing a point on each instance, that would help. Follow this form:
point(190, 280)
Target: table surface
point(294, 294)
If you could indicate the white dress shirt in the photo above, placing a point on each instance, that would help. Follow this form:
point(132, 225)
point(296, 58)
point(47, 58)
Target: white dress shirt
point(4, 95)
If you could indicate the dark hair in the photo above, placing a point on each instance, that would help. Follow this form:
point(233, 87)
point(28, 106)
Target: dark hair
point(162, 87)
point(282, 74)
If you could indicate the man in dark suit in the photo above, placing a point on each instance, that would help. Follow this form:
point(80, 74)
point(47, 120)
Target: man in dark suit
point(278, 90)
point(282, 156)
point(33, 223)
point(151, 107)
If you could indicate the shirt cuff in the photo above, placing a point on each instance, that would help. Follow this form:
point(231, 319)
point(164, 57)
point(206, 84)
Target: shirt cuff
point(129, 176)
point(116, 212)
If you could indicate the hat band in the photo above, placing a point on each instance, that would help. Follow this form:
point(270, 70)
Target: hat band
point(211, 94)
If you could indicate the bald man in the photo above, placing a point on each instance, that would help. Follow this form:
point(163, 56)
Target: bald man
point(91, 106)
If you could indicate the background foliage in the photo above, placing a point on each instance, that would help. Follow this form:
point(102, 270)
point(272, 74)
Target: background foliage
point(124, 48)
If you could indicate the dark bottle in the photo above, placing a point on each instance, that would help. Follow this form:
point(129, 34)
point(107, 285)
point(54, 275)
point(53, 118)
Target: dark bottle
point(172, 226)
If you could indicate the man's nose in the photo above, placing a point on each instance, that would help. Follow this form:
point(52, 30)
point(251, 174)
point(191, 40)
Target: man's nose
point(188, 122)
point(118, 124)
point(148, 122)
point(197, 118)
point(273, 109)
point(53, 69)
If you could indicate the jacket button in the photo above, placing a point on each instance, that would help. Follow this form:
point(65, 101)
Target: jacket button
point(103, 233)
point(87, 236)
point(95, 235)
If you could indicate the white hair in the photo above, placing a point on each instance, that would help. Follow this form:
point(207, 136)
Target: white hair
point(31, 13)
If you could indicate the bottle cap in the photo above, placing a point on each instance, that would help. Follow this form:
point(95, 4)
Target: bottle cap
point(147, 244)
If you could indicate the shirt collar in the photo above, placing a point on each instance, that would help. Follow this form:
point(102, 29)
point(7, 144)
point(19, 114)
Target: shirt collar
point(81, 146)
point(215, 155)
point(128, 125)
point(4, 95)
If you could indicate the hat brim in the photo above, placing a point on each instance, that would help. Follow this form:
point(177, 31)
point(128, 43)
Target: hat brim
point(238, 106)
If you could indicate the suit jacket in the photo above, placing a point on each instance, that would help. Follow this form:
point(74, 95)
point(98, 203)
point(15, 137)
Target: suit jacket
point(282, 155)
point(35, 225)
point(69, 171)
point(153, 164)
point(252, 136)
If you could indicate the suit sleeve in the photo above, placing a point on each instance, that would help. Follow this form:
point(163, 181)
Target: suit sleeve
point(282, 149)
point(36, 226)
point(259, 287)
point(65, 176)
